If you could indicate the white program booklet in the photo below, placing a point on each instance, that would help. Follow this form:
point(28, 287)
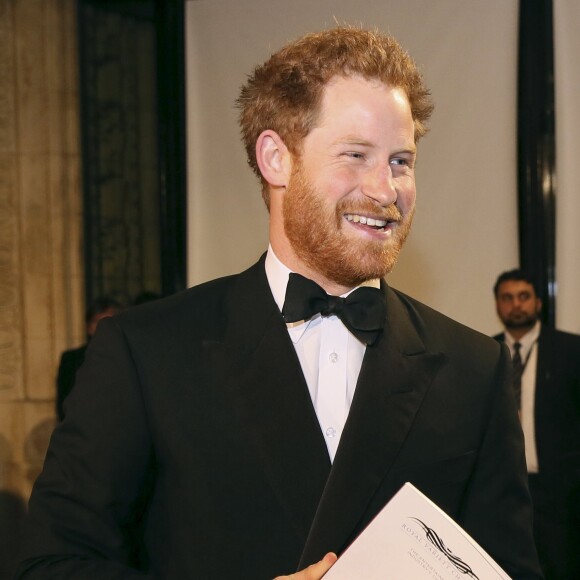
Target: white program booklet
point(412, 539)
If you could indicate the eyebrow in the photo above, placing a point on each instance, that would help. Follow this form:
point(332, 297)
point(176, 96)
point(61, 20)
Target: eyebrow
point(353, 141)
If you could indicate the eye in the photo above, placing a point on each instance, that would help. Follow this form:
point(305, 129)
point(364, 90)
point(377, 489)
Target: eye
point(402, 162)
point(355, 154)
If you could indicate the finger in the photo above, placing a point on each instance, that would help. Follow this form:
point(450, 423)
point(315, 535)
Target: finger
point(317, 571)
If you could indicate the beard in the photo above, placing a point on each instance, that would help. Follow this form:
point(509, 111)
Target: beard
point(521, 320)
point(316, 234)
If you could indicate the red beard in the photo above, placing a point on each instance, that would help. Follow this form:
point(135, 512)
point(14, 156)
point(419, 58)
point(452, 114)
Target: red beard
point(316, 234)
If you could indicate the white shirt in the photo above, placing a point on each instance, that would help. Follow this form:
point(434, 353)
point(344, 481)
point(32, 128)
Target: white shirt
point(529, 354)
point(330, 357)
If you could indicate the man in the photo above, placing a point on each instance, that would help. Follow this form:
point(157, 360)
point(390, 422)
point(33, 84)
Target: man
point(237, 433)
point(548, 381)
point(71, 360)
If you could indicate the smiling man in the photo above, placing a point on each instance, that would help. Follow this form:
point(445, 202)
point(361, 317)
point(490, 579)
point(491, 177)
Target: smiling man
point(341, 210)
point(254, 425)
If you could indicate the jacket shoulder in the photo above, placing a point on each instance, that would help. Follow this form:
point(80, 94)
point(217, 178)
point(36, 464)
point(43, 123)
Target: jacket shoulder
point(439, 331)
point(565, 343)
point(201, 309)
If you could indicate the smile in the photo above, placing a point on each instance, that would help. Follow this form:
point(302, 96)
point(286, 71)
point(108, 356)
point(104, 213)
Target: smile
point(378, 224)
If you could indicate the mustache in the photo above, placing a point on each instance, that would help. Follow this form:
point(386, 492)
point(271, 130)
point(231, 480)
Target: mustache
point(364, 207)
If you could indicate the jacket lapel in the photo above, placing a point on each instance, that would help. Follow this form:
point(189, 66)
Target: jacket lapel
point(260, 369)
point(394, 379)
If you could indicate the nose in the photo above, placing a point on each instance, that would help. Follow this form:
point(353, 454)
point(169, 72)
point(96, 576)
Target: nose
point(379, 185)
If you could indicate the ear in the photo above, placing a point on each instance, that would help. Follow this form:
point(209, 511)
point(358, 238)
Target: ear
point(274, 159)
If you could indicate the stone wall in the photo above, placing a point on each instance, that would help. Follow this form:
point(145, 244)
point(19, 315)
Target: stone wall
point(41, 306)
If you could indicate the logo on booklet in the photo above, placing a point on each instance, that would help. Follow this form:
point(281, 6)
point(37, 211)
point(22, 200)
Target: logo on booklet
point(434, 539)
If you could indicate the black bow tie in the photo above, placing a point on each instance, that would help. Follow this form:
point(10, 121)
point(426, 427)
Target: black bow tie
point(363, 311)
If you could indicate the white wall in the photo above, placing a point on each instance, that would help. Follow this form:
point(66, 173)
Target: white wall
point(465, 229)
point(567, 74)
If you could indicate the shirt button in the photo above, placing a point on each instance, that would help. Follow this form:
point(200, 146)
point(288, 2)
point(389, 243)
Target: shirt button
point(333, 357)
point(330, 432)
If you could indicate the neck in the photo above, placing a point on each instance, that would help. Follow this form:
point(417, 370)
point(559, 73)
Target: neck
point(520, 331)
point(288, 257)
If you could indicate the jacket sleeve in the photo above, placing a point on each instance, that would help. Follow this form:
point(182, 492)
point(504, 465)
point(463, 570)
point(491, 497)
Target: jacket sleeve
point(82, 511)
point(497, 506)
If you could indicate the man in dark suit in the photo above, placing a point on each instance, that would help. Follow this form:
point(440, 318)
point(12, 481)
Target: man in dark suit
point(254, 425)
point(71, 360)
point(547, 371)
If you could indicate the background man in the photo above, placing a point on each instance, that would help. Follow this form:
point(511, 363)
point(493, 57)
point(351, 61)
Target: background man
point(549, 386)
point(251, 425)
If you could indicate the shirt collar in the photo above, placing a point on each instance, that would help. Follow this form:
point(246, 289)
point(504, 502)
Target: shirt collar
point(277, 274)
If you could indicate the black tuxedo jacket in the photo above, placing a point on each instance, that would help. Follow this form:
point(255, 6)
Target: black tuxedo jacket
point(191, 429)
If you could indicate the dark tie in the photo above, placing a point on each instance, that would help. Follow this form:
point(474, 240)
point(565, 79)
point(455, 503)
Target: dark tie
point(363, 311)
point(518, 369)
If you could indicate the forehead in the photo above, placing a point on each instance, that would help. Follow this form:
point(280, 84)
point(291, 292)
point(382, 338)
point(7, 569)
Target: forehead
point(363, 103)
point(514, 287)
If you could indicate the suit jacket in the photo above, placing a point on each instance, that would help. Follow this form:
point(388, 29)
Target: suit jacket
point(557, 417)
point(191, 422)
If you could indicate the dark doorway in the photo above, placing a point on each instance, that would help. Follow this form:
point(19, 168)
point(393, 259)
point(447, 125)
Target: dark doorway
point(132, 126)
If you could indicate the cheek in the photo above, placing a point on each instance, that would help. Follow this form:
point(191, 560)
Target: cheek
point(503, 309)
point(336, 184)
point(406, 196)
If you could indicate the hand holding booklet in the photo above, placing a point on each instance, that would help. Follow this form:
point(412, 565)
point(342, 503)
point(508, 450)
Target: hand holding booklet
point(412, 539)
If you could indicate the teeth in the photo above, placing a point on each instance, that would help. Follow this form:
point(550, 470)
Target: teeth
point(365, 220)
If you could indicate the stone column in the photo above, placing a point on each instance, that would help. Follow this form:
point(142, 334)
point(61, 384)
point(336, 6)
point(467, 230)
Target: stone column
point(41, 286)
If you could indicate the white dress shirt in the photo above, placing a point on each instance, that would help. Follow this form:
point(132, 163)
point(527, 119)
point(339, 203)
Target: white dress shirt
point(330, 357)
point(529, 354)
